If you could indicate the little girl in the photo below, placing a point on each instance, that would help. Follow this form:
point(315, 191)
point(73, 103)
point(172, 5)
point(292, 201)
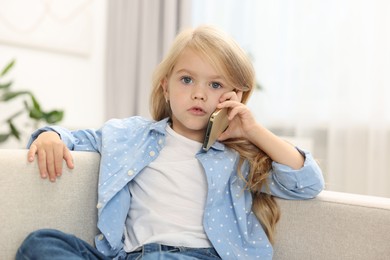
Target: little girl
point(160, 195)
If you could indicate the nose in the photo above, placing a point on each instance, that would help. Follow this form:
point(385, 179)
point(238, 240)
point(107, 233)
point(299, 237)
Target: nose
point(198, 93)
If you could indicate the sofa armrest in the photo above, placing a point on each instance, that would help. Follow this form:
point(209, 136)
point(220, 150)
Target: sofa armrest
point(334, 225)
point(30, 203)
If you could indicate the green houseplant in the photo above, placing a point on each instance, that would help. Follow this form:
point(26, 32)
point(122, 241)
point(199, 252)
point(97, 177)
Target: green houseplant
point(29, 106)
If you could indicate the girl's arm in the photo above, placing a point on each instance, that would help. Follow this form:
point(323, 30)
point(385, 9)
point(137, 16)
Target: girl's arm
point(295, 174)
point(276, 148)
point(243, 125)
point(52, 145)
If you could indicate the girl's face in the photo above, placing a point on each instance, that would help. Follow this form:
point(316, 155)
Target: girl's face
point(193, 89)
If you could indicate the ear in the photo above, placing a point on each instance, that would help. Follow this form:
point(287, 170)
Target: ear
point(164, 85)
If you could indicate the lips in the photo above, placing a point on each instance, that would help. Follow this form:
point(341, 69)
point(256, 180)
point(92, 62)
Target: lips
point(197, 111)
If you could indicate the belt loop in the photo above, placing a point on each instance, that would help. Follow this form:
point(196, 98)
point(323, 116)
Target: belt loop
point(150, 248)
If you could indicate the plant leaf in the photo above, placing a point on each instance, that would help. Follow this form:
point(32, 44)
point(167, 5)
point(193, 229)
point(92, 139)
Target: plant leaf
point(36, 114)
point(10, 95)
point(54, 116)
point(15, 132)
point(3, 137)
point(33, 108)
point(35, 102)
point(7, 68)
point(6, 85)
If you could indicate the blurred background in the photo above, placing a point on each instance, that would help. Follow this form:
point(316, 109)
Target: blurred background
point(323, 67)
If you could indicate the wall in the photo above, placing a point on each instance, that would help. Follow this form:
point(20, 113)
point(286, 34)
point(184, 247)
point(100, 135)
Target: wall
point(60, 56)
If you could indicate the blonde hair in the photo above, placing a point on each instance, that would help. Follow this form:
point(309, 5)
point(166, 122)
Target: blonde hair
point(227, 57)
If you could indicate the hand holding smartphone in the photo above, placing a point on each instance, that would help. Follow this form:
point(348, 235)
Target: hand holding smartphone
point(218, 123)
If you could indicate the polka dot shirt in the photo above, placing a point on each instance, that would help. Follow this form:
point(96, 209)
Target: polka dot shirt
point(128, 145)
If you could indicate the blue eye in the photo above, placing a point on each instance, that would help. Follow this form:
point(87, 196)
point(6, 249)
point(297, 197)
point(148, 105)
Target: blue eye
point(215, 85)
point(186, 80)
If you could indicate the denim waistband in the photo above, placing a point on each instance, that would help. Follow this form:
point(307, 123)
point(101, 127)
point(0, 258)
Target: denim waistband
point(154, 247)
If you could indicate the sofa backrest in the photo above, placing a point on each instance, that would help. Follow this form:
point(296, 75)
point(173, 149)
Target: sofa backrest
point(29, 203)
point(332, 226)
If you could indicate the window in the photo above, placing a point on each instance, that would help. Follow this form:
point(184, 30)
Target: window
point(324, 67)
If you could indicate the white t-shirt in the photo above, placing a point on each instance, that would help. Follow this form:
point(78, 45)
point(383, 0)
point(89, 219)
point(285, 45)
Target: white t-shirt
point(168, 198)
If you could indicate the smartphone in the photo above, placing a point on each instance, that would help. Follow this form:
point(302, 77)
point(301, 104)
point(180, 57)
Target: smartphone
point(218, 123)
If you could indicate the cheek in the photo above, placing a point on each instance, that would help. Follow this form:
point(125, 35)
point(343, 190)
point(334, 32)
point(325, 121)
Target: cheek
point(215, 97)
point(174, 106)
point(176, 102)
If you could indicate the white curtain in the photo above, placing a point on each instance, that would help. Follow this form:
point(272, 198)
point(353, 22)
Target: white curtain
point(325, 71)
point(138, 35)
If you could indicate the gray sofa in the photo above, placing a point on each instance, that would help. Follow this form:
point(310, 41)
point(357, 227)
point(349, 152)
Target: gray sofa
point(332, 226)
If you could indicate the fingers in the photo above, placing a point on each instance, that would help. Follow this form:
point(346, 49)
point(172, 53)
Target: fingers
point(68, 158)
point(50, 166)
point(240, 117)
point(46, 165)
point(50, 163)
point(57, 164)
point(224, 136)
point(54, 163)
point(42, 163)
point(231, 95)
point(239, 95)
point(230, 100)
point(31, 153)
point(234, 108)
point(51, 152)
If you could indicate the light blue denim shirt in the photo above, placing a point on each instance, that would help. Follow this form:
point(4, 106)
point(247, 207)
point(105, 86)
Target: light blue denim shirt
point(128, 145)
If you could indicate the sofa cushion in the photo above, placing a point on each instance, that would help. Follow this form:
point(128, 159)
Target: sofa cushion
point(29, 203)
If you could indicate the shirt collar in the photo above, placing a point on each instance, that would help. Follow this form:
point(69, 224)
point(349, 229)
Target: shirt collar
point(159, 126)
point(218, 146)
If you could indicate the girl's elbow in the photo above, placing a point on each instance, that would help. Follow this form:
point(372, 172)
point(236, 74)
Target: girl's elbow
point(313, 191)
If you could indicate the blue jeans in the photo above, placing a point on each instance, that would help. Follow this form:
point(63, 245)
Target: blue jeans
point(56, 245)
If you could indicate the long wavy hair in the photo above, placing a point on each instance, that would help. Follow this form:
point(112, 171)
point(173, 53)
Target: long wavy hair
point(227, 57)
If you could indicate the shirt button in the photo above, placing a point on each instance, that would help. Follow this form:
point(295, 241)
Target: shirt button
point(100, 237)
point(130, 172)
point(99, 205)
point(160, 141)
point(152, 153)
